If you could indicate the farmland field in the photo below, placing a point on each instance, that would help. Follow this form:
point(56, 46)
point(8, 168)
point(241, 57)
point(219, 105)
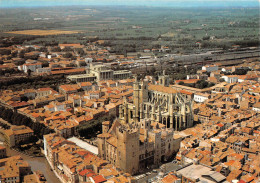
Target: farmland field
point(42, 32)
point(136, 27)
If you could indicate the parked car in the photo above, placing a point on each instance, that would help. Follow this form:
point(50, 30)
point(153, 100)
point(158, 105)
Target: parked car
point(154, 171)
point(175, 161)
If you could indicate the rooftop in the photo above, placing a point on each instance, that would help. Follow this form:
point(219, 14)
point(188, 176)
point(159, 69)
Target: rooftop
point(84, 145)
point(201, 173)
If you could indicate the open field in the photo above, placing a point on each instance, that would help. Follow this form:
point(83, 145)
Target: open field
point(42, 32)
point(135, 28)
point(168, 34)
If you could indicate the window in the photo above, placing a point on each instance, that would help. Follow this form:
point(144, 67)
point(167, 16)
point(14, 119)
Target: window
point(131, 114)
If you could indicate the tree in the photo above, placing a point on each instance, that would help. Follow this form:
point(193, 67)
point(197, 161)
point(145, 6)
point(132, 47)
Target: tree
point(72, 65)
point(24, 98)
point(201, 84)
point(29, 49)
point(21, 54)
point(181, 83)
point(80, 51)
point(221, 80)
point(25, 121)
point(67, 55)
point(83, 64)
point(14, 53)
point(206, 37)
point(67, 49)
point(29, 72)
point(43, 49)
point(8, 115)
point(56, 49)
point(20, 62)
point(5, 52)
point(152, 71)
point(240, 72)
point(45, 64)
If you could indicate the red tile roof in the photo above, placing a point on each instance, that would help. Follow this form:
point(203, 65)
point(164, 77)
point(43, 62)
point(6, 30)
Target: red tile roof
point(99, 179)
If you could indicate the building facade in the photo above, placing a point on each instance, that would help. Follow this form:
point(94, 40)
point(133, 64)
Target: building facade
point(201, 97)
point(134, 147)
point(16, 134)
point(99, 73)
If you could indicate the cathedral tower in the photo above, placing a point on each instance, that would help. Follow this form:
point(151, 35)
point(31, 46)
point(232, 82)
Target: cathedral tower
point(164, 79)
point(127, 149)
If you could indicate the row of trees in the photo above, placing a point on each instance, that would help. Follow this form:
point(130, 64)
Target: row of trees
point(9, 71)
point(199, 84)
point(94, 127)
point(33, 82)
point(242, 71)
point(18, 119)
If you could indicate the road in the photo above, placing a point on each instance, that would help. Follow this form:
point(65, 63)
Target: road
point(164, 170)
point(37, 163)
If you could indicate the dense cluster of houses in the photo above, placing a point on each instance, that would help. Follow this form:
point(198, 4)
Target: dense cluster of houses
point(63, 59)
point(224, 143)
point(73, 105)
point(226, 138)
point(72, 163)
point(15, 169)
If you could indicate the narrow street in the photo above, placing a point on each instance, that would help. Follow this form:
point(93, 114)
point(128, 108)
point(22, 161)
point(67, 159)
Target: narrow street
point(37, 163)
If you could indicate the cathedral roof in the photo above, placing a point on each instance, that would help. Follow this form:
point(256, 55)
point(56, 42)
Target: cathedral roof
point(162, 89)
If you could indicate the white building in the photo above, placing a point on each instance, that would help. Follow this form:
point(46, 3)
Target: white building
point(49, 107)
point(55, 106)
point(59, 106)
point(230, 78)
point(42, 92)
point(88, 60)
point(93, 95)
point(99, 73)
point(30, 93)
point(194, 76)
point(43, 70)
point(201, 97)
point(227, 69)
point(32, 67)
point(210, 68)
point(197, 76)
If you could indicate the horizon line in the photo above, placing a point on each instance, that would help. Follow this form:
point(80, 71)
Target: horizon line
point(185, 3)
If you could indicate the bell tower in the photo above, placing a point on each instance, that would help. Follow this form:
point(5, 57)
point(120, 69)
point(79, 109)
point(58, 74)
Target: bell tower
point(127, 145)
point(136, 94)
point(164, 79)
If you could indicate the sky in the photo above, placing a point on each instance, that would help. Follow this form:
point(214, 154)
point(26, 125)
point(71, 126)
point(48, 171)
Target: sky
point(173, 3)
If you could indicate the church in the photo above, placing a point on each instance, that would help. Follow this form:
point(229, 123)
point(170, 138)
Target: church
point(159, 103)
point(143, 135)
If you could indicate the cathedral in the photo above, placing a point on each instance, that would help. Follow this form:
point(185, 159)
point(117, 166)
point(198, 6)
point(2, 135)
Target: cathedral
point(159, 103)
point(143, 135)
